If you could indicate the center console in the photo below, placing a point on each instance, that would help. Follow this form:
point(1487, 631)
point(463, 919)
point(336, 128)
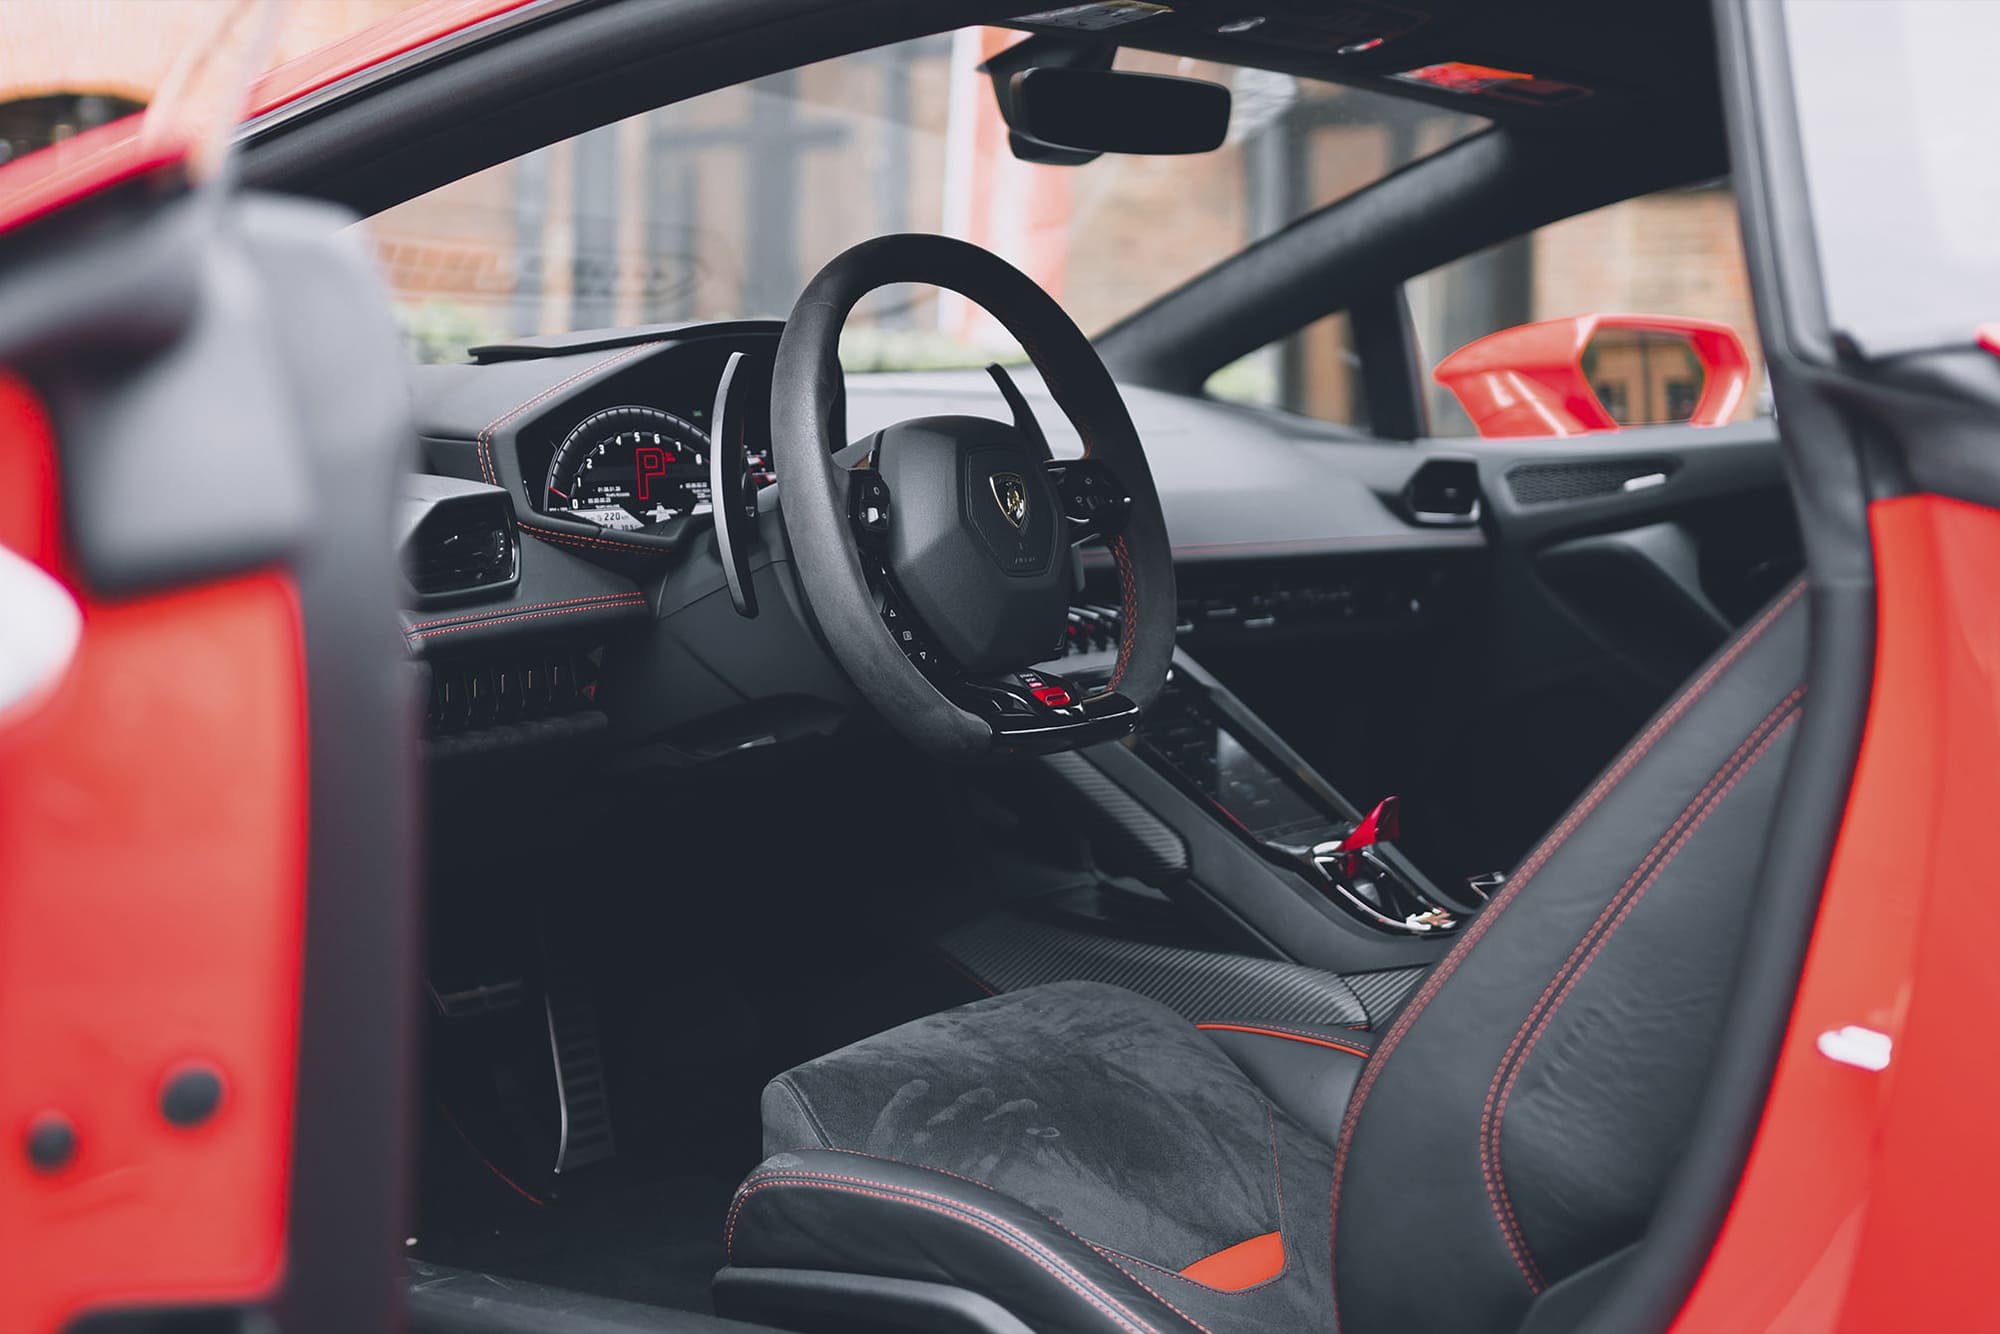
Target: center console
point(1288, 815)
point(1209, 804)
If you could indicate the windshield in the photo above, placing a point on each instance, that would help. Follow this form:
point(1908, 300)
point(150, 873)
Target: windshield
point(722, 206)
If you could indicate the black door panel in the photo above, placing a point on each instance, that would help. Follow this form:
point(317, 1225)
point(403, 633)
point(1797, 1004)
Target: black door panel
point(1618, 563)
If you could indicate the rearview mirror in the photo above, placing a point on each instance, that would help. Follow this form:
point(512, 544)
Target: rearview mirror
point(1109, 111)
point(1598, 373)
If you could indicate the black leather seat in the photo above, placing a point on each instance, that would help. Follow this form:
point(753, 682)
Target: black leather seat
point(1076, 1158)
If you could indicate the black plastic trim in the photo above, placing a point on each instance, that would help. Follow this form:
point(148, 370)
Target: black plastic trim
point(823, 1302)
point(359, 1000)
point(444, 1300)
point(586, 65)
point(127, 338)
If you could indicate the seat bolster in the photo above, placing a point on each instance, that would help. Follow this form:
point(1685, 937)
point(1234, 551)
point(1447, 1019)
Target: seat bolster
point(830, 1209)
point(1306, 1070)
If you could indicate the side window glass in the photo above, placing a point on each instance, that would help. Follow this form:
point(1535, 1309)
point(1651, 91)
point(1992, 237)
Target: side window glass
point(1637, 314)
point(1314, 372)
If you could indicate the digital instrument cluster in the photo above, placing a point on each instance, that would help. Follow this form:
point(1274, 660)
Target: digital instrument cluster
point(630, 468)
point(637, 469)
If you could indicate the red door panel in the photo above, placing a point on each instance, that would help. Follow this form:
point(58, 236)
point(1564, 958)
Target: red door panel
point(152, 872)
point(1866, 1189)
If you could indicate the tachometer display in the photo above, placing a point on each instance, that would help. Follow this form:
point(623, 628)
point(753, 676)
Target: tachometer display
point(630, 468)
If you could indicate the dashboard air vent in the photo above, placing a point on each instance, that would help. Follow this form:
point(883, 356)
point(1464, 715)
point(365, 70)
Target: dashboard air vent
point(460, 544)
point(1555, 483)
point(1444, 491)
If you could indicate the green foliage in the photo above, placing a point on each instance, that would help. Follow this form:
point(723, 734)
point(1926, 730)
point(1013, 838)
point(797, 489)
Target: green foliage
point(439, 329)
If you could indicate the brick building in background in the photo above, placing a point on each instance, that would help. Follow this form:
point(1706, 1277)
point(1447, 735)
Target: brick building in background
point(724, 204)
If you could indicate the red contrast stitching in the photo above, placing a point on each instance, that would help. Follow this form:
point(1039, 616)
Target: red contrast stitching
point(532, 606)
point(926, 1167)
point(1489, 1130)
point(1549, 1018)
point(484, 445)
point(1128, 620)
point(1287, 1034)
point(1278, 1176)
point(1481, 924)
point(585, 540)
point(965, 971)
point(1113, 1257)
point(623, 600)
point(945, 1207)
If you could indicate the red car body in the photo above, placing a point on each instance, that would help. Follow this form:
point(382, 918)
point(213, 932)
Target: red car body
point(1864, 1205)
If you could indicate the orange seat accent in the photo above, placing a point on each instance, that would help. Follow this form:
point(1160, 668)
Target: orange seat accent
point(1362, 1052)
point(1244, 1265)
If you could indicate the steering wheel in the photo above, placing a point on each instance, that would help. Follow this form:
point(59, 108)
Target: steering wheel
point(936, 556)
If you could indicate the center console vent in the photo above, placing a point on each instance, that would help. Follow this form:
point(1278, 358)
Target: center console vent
point(458, 540)
point(1555, 483)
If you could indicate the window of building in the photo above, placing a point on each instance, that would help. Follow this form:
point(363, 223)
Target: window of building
point(1677, 252)
point(723, 206)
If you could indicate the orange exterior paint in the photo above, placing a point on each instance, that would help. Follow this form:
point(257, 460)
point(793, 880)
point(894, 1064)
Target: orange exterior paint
point(152, 892)
point(86, 164)
point(1867, 1204)
point(151, 145)
point(1529, 380)
point(1244, 1265)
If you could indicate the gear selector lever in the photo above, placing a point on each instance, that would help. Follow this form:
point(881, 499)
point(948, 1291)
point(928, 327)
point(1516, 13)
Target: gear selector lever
point(1354, 871)
point(1384, 822)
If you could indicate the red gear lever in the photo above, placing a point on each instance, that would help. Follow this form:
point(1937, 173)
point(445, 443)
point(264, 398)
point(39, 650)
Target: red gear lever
point(1385, 821)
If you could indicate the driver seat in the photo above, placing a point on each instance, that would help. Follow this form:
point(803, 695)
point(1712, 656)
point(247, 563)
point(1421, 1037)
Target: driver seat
point(1076, 1158)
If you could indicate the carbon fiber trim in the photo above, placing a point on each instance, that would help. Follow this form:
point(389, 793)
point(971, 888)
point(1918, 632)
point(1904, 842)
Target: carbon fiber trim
point(1128, 838)
point(1383, 993)
point(1007, 952)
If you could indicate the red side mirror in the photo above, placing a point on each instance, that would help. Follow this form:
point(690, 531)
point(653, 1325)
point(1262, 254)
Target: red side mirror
point(1598, 373)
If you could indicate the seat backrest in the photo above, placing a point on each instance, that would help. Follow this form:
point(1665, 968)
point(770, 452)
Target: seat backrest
point(1519, 1119)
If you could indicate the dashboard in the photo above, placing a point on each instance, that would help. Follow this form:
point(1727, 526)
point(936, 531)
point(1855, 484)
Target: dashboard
point(572, 473)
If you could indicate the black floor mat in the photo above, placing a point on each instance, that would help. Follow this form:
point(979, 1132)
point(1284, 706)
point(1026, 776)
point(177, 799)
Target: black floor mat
point(656, 1243)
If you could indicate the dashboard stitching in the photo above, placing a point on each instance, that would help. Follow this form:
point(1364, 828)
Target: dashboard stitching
point(487, 470)
point(581, 539)
point(628, 600)
point(532, 606)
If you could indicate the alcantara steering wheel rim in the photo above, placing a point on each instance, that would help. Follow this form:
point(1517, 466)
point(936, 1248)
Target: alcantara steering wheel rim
point(833, 565)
